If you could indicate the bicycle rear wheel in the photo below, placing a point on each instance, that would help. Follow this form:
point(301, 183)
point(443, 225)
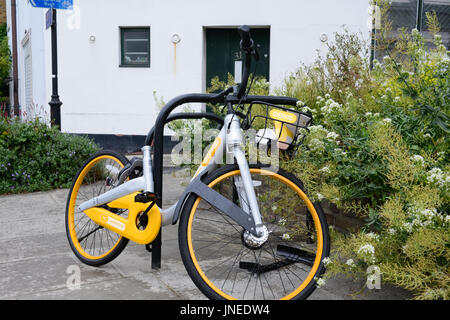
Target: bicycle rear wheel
point(225, 263)
point(91, 243)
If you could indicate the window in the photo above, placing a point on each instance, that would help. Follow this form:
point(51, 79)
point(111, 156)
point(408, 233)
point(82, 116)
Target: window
point(411, 14)
point(28, 73)
point(135, 47)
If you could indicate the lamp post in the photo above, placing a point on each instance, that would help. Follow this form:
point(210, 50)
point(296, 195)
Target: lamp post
point(55, 103)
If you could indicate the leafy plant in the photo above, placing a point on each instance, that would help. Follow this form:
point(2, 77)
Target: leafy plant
point(5, 60)
point(34, 157)
point(378, 148)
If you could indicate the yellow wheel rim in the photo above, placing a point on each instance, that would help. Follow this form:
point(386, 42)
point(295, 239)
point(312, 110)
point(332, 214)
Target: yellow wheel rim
point(71, 213)
point(311, 209)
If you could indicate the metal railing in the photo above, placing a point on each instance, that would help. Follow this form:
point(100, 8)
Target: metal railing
point(5, 109)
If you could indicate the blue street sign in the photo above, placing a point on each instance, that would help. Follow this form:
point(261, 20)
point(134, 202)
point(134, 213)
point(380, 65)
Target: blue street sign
point(49, 18)
point(55, 4)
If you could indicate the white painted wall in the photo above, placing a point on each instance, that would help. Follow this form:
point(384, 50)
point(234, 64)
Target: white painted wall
point(29, 27)
point(101, 98)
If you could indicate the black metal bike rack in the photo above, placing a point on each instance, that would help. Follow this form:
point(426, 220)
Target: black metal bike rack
point(156, 137)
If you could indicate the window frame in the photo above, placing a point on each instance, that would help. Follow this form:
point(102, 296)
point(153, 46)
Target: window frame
point(122, 63)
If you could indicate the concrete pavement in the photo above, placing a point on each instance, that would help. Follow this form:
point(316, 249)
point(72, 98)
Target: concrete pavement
point(36, 261)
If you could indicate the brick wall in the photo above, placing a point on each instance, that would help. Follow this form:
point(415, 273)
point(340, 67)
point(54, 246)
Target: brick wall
point(341, 221)
point(2, 11)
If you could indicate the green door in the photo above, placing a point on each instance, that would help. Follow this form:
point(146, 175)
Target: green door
point(223, 54)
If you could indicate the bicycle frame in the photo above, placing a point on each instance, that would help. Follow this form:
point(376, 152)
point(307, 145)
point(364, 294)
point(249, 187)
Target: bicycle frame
point(229, 140)
point(132, 207)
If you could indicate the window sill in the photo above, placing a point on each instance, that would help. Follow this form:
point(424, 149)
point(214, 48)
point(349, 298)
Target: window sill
point(134, 66)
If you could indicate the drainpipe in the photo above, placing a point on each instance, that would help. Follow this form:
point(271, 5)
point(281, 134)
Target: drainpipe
point(419, 15)
point(373, 41)
point(14, 58)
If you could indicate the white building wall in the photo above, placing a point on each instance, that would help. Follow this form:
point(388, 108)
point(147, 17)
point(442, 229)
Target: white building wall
point(30, 37)
point(99, 97)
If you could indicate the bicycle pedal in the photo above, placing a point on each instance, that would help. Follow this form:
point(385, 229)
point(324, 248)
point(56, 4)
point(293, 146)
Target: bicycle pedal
point(145, 197)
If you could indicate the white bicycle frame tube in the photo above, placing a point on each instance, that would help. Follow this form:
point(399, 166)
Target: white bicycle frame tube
point(229, 140)
point(235, 145)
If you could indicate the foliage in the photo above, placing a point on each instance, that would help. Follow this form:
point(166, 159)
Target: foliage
point(191, 133)
point(379, 148)
point(5, 60)
point(34, 157)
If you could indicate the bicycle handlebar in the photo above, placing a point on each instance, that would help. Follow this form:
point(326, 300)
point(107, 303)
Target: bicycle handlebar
point(246, 40)
point(247, 45)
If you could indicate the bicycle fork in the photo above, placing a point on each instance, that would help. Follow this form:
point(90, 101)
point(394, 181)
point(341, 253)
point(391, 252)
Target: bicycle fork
point(234, 145)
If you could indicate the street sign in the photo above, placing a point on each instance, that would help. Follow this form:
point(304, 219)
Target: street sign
point(49, 18)
point(50, 22)
point(55, 4)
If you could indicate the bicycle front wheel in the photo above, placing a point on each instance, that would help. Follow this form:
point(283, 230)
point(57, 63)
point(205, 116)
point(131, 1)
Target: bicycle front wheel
point(226, 263)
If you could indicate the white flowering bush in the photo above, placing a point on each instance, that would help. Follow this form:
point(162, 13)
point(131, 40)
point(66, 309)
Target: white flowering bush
point(439, 178)
point(366, 253)
point(350, 263)
point(331, 109)
point(378, 149)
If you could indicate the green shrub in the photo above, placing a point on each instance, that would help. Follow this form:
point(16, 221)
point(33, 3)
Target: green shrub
point(379, 149)
point(5, 60)
point(34, 157)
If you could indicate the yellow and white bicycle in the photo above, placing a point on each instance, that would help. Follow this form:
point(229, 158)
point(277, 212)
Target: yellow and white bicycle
point(246, 231)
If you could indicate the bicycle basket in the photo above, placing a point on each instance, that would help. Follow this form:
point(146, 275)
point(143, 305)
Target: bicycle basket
point(278, 123)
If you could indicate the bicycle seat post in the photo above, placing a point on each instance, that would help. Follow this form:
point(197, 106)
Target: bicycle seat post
point(147, 167)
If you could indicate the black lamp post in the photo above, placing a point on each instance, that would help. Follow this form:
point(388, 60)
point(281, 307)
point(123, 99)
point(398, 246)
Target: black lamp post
point(55, 103)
